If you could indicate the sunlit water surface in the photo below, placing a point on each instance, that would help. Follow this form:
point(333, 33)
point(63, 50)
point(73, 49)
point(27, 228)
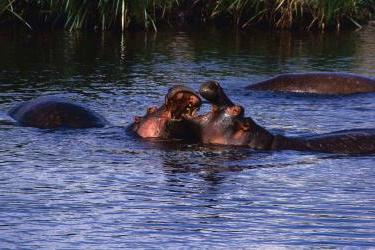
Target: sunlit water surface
point(103, 189)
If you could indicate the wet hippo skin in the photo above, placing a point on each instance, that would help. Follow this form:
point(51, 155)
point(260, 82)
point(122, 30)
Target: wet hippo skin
point(163, 123)
point(226, 124)
point(55, 112)
point(325, 83)
point(168, 121)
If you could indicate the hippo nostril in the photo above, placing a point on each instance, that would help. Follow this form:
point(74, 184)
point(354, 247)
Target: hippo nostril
point(209, 86)
point(209, 90)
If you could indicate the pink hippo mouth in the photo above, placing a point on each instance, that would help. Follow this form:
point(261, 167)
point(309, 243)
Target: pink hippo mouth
point(182, 102)
point(172, 119)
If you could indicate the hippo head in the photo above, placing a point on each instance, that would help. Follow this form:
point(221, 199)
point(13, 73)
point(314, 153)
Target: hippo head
point(173, 120)
point(226, 123)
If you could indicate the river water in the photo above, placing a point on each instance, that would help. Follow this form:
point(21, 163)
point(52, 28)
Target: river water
point(103, 189)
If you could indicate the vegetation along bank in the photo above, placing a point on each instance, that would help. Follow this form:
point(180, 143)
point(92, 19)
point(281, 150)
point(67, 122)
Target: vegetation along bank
point(152, 14)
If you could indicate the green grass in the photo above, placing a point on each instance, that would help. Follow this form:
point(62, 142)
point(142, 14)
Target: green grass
point(150, 14)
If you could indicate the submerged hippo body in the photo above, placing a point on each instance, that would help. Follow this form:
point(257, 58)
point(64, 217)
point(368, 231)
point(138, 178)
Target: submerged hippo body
point(55, 112)
point(356, 141)
point(325, 83)
point(227, 125)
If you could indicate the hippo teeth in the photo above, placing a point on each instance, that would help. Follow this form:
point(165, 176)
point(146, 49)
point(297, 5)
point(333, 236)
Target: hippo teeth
point(190, 110)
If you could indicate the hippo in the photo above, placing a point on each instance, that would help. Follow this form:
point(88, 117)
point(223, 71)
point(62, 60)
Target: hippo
point(323, 83)
point(164, 122)
point(55, 112)
point(172, 120)
point(177, 119)
point(226, 124)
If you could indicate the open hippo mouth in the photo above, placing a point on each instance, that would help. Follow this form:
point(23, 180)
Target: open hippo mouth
point(182, 102)
point(171, 120)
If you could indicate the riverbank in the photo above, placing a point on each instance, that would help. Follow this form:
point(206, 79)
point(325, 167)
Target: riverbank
point(152, 14)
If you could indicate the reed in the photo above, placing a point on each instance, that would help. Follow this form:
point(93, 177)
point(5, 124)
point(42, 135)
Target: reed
point(286, 14)
point(150, 14)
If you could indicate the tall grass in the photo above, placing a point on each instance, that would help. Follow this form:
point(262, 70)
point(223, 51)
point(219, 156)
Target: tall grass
point(286, 14)
point(6, 7)
point(149, 14)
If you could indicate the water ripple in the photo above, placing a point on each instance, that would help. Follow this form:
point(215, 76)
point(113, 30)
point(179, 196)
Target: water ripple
point(102, 188)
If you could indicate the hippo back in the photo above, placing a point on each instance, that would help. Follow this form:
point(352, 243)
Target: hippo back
point(55, 112)
point(354, 141)
point(329, 83)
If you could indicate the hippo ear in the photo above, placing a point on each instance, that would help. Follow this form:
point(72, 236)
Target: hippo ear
point(244, 125)
point(151, 110)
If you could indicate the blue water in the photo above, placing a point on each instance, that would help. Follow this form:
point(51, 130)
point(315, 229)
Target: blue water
point(103, 189)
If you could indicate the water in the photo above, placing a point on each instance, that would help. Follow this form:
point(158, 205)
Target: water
point(103, 189)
